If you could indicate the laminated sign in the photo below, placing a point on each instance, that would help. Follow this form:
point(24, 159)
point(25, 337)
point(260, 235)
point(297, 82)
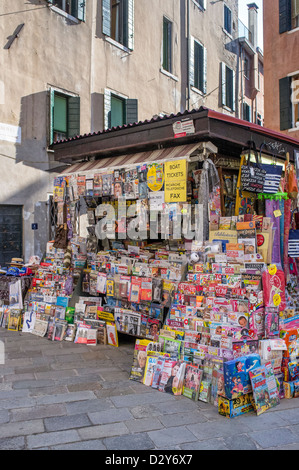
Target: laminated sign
point(176, 181)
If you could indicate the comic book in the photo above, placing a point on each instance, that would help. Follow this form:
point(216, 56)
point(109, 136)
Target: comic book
point(264, 387)
point(192, 381)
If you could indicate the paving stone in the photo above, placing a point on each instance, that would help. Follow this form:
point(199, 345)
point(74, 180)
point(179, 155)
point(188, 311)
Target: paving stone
point(102, 431)
point(227, 427)
point(4, 416)
point(113, 392)
point(143, 425)
point(56, 374)
point(176, 406)
point(15, 403)
point(32, 384)
point(182, 418)
point(89, 406)
point(110, 416)
point(274, 437)
point(264, 420)
point(59, 423)
point(145, 411)
point(54, 390)
point(36, 412)
point(14, 443)
point(95, 444)
point(21, 428)
point(65, 397)
point(240, 442)
point(142, 398)
point(209, 444)
point(78, 387)
point(140, 441)
point(172, 436)
point(52, 438)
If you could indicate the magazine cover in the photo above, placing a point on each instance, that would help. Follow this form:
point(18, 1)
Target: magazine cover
point(151, 362)
point(264, 387)
point(112, 336)
point(172, 377)
point(139, 359)
point(192, 381)
point(14, 319)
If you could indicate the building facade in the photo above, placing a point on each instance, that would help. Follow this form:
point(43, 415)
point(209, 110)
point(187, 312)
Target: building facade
point(281, 47)
point(71, 67)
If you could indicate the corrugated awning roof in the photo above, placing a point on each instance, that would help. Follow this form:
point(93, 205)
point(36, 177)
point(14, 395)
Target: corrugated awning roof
point(127, 160)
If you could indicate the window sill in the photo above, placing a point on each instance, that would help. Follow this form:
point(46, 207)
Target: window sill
point(294, 129)
point(293, 30)
point(197, 90)
point(117, 44)
point(168, 74)
point(227, 34)
point(66, 15)
point(226, 108)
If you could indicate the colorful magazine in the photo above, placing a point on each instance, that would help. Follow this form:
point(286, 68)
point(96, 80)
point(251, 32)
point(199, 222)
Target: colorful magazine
point(264, 387)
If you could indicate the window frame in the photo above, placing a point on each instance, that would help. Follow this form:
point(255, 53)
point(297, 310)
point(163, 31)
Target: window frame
point(69, 96)
point(167, 47)
point(62, 9)
point(195, 66)
point(226, 8)
point(224, 87)
point(126, 42)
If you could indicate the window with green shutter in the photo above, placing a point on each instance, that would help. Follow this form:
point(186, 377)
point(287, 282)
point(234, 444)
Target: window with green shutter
point(119, 110)
point(167, 45)
point(288, 15)
point(64, 116)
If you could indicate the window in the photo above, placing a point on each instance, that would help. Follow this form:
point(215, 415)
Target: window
point(259, 119)
point(288, 15)
point(246, 67)
point(64, 116)
point(227, 19)
point(246, 112)
point(118, 21)
point(119, 110)
point(167, 45)
point(295, 14)
point(289, 102)
point(75, 8)
point(11, 233)
point(198, 66)
point(228, 86)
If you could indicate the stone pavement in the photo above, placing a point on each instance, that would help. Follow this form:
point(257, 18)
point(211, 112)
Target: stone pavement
point(66, 396)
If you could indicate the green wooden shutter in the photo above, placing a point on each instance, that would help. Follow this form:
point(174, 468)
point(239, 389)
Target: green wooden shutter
point(285, 103)
point(131, 24)
point(51, 116)
point(73, 125)
point(131, 111)
point(106, 17)
point(285, 16)
point(107, 109)
point(78, 9)
point(234, 91)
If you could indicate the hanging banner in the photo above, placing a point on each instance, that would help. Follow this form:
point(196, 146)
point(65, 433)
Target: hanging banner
point(176, 181)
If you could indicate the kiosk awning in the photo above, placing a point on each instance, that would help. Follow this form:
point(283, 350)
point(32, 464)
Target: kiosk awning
point(133, 159)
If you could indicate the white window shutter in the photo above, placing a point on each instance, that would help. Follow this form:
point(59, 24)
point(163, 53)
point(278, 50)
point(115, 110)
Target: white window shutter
point(205, 4)
point(223, 83)
point(106, 17)
point(191, 61)
point(107, 108)
point(81, 10)
point(131, 24)
point(205, 73)
point(51, 116)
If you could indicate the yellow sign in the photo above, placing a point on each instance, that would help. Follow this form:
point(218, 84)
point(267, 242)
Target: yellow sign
point(176, 181)
point(276, 300)
point(272, 269)
point(155, 176)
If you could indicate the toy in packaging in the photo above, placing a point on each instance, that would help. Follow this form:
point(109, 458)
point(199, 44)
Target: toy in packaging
point(291, 389)
point(236, 375)
point(236, 406)
point(290, 336)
